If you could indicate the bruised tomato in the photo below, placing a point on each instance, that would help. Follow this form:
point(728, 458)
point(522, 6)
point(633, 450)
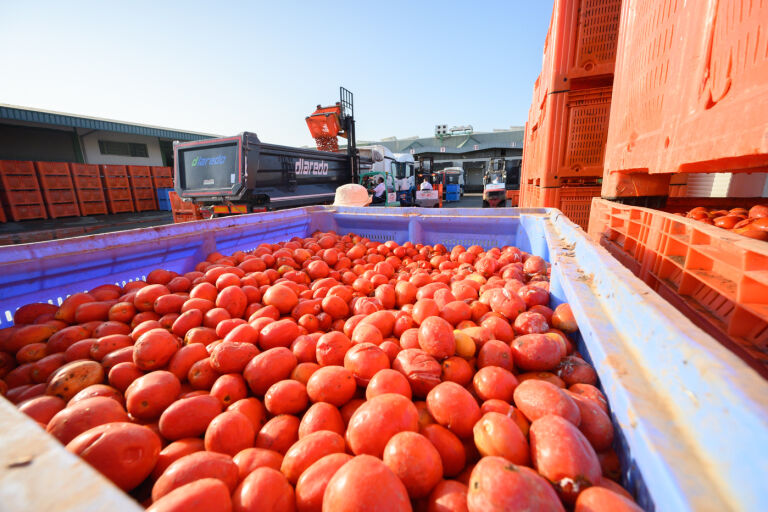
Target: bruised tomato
point(498, 484)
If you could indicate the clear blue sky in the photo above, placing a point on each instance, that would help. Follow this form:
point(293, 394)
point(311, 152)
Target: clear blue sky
point(226, 67)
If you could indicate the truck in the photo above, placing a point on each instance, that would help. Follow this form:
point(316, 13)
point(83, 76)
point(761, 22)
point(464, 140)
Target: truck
point(241, 174)
point(382, 166)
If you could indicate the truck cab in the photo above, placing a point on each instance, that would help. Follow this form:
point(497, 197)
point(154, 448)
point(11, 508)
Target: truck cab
point(405, 178)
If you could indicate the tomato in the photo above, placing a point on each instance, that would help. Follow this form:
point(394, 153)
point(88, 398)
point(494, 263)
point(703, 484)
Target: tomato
point(174, 451)
point(312, 483)
point(253, 410)
point(209, 494)
point(497, 484)
point(422, 370)
point(154, 349)
point(42, 408)
point(498, 435)
point(595, 423)
point(269, 367)
point(377, 420)
point(333, 384)
point(264, 489)
point(279, 433)
point(331, 347)
point(448, 496)
point(189, 417)
point(563, 456)
point(286, 397)
point(72, 421)
point(149, 395)
point(321, 416)
point(415, 461)
point(308, 450)
point(537, 398)
point(350, 488)
point(252, 458)
point(123, 452)
point(494, 382)
point(454, 408)
point(436, 338)
point(196, 466)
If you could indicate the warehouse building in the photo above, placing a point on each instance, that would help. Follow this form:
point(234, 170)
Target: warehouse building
point(30, 134)
point(464, 148)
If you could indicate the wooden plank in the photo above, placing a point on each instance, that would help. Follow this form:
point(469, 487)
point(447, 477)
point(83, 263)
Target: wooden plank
point(38, 473)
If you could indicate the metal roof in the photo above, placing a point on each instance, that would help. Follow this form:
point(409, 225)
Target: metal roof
point(458, 143)
point(16, 113)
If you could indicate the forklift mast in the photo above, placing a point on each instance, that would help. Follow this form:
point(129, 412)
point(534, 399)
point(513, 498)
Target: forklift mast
point(327, 124)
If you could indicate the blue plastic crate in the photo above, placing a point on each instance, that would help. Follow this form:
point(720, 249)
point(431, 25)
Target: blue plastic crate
point(691, 418)
point(163, 201)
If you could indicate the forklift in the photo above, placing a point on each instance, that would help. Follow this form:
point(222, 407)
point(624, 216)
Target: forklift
point(495, 183)
point(425, 172)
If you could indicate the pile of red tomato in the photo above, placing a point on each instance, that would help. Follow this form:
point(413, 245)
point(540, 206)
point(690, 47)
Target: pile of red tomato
point(328, 373)
point(752, 223)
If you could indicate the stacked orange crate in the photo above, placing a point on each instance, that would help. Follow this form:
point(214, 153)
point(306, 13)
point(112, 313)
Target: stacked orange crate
point(691, 95)
point(162, 177)
point(90, 191)
point(118, 188)
point(21, 191)
point(2, 213)
point(144, 198)
point(568, 120)
point(58, 190)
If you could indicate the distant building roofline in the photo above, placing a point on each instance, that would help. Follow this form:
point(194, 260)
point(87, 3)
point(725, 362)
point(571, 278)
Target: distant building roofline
point(51, 117)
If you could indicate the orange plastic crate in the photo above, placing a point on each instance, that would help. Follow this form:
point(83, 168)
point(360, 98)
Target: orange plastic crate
point(162, 182)
point(3, 218)
point(568, 141)
point(574, 202)
point(141, 182)
point(114, 171)
point(161, 172)
point(57, 210)
point(58, 189)
point(691, 88)
point(139, 171)
point(17, 167)
point(21, 194)
point(85, 170)
point(143, 205)
point(119, 194)
point(89, 189)
point(717, 278)
point(19, 212)
point(121, 206)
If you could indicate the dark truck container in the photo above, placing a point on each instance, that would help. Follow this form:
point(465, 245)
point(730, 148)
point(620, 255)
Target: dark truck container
point(243, 172)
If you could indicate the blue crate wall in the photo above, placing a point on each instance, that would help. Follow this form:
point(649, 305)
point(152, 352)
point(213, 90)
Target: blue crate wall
point(163, 201)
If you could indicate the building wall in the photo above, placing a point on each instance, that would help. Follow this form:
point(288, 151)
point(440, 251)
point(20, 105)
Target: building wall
point(90, 144)
point(39, 144)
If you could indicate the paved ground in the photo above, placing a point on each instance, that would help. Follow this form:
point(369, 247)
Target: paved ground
point(53, 229)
